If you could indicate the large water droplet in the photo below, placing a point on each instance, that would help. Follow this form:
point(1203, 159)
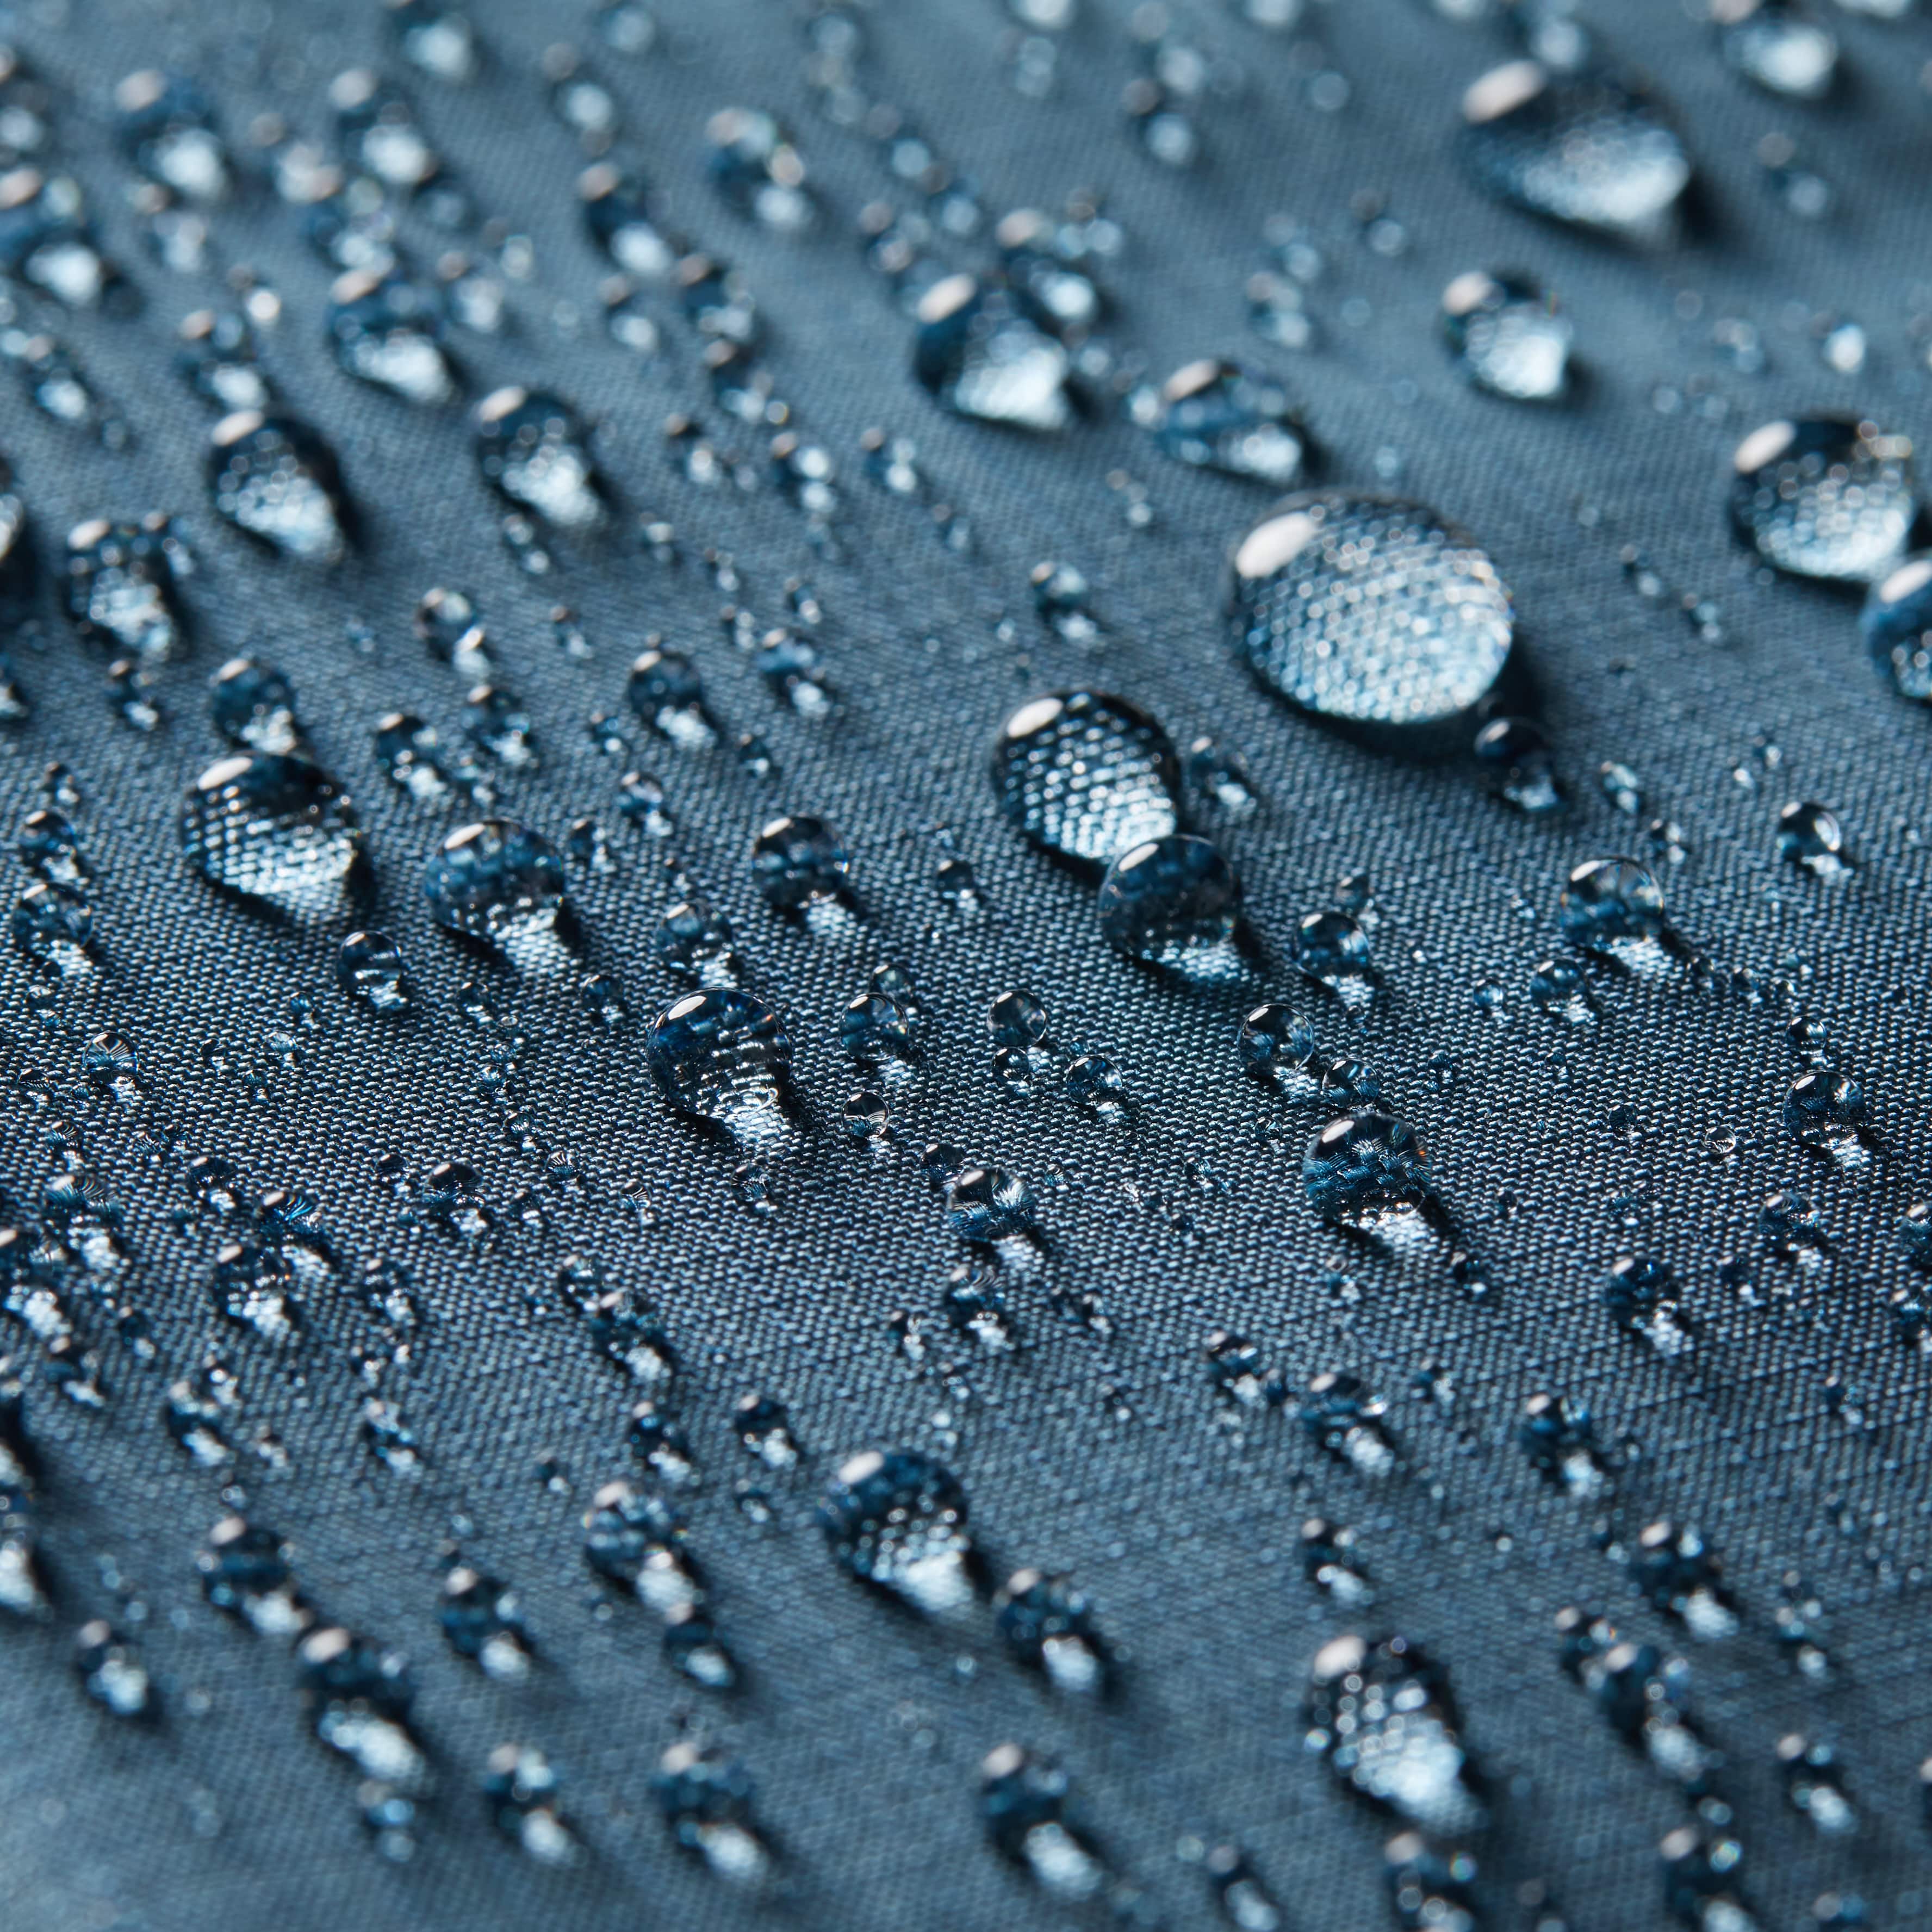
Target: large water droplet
point(276, 480)
point(1086, 774)
point(1368, 609)
point(253, 705)
point(897, 1519)
point(981, 358)
point(721, 1055)
point(1824, 497)
point(495, 880)
point(1024, 1802)
point(1172, 902)
point(275, 827)
point(1506, 336)
point(1589, 149)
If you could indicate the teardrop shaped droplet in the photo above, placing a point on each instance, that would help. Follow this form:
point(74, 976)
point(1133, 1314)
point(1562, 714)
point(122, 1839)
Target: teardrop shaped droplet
point(1368, 609)
point(1506, 336)
point(1172, 902)
point(798, 861)
point(1219, 416)
point(120, 585)
point(897, 1519)
point(386, 331)
point(534, 451)
point(1613, 906)
point(1086, 774)
point(1588, 149)
point(1367, 1171)
point(277, 481)
point(1824, 497)
point(275, 827)
point(1774, 46)
point(981, 358)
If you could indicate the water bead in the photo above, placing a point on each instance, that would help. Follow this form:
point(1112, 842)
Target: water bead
point(980, 357)
point(533, 450)
point(1810, 836)
point(797, 860)
point(1017, 1020)
point(1897, 626)
point(1170, 901)
point(1824, 497)
point(274, 827)
point(1275, 1041)
point(120, 585)
point(1506, 336)
point(1368, 609)
point(720, 1054)
point(385, 331)
point(1773, 45)
point(1086, 774)
point(370, 968)
point(1609, 905)
point(693, 939)
point(276, 480)
point(496, 881)
point(896, 1519)
point(253, 705)
point(1218, 415)
point(1588, 149)
point(1367, 1171)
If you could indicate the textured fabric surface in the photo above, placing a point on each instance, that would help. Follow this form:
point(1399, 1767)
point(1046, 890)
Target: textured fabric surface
point(1793, 1434)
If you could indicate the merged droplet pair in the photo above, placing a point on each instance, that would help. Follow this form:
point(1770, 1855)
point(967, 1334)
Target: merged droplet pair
point(1094, 779)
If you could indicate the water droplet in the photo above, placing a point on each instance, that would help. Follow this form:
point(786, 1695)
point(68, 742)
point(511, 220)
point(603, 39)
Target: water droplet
point(253, 705)
point(1171, 901)
point(1641, 1295)
point(1368, 1171)
point(1276, 1044)
point(120, 585)
point(1219, 416)
point(721, 1055)
point(1340, 1415)
point(1506, 336)
point(496, 881)
point(797, 860)
point(1590, 149)
point(384, 330)
point(277, 481)
point(1680, 1574)
point(981, 358)
point(666, 693)
point(1086, 774)
point(47, 241)
point(1557, 1436)
point(534, 451)
point(1368, 609)
point(754, 166)
point(111, 1673)
point(370, 968)
point(49, 848)
point(357, 1694)
point(1244, 1901)
point(706, 1799)
point(1095, 1083)
point(274, 827)
point(1701, 1870)
point(1770, 43)
point(619, 213)
point(1614, 907)
point(245, 1572)
point(1025, 1802)
point(482, 1622)
point(520, 1793)
point(1809, 836)
point(1823, 497)
point(1331, 948)
point(897, 1519)
point(693, 939)
point(1382, 1715)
